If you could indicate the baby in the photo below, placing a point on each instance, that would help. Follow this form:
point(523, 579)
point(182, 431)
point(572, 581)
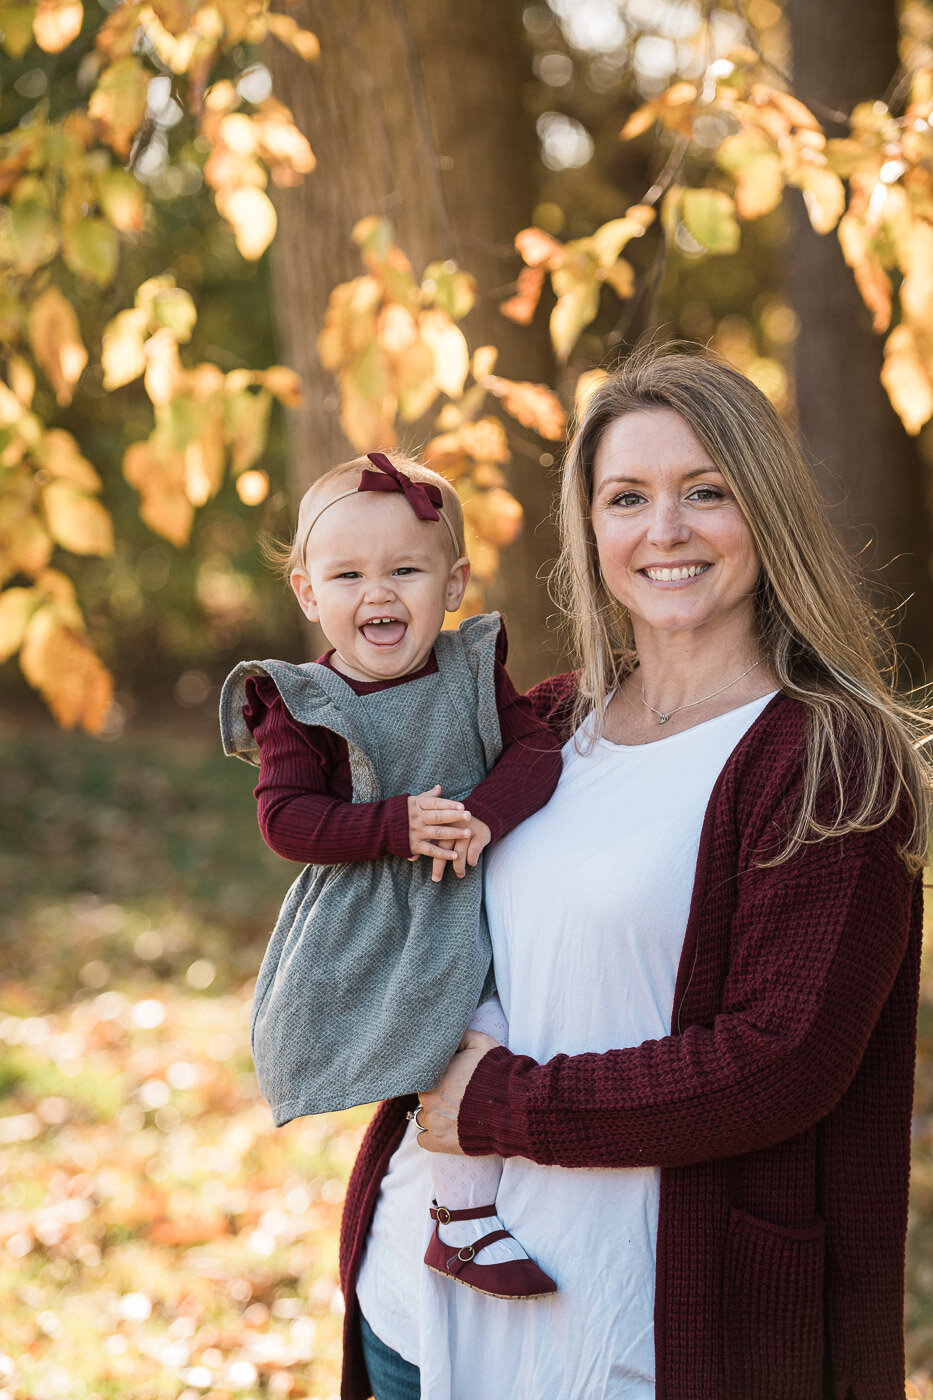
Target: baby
point(405, 749)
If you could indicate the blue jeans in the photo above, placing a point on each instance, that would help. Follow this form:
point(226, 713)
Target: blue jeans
point(390, 1375)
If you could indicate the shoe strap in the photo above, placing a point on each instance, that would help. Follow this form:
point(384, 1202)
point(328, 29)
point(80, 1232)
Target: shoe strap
point(442, 1214)
point(457, 1261)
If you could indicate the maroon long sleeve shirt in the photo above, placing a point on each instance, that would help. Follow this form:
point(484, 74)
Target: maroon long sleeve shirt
point(304, 791)
point(778, 1109)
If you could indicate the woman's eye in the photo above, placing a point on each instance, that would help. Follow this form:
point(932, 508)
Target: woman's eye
point(627, 498)
point(707, 493)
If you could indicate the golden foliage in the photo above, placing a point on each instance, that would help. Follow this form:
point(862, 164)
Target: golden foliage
point(55, 338)
point(577, 271)
point(874, 187)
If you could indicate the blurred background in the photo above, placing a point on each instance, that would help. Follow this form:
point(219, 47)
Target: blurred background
point(238, 244)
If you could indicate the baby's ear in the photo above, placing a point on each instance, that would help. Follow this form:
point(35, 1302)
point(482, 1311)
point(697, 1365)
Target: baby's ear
point(456, 584)
point(301, 585)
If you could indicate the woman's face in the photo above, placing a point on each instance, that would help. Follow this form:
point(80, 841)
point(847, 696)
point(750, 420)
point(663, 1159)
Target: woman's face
point(674, 548)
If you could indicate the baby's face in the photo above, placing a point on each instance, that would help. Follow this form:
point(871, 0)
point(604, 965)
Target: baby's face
point(379, 581)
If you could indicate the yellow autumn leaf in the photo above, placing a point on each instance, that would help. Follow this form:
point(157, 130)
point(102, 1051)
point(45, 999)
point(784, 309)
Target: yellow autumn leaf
point(417, 385)
point(121, 354)
point(91, 249)
point(521, 307)
point(22, 380)
point(163, 367)
point(533, 405)
point(484, 361)
point(123, 200)
point(448, 345)
point(368, 399)
point(451, 289)
point(906, 381)
point(16, 607)
point(250, 213)
point(396, 328)
point(709, 215)
point(284, 384)
point(288, 31)
point(117, 105)
point(752, 160)
point(16, 30)
point(621, 278)
point(538, 249)
point(76, 521)
point(247, 426)
point(495, 515)
point(824, 195)
point(205, 457)
point(174, 308)
point(61, 457)
point(609, 239)
point(55, 337)
point(572, 314)
point(64, 668)
point(56, 23)
point(873, 282)
point(33, 234)
point(917, 287)
point(158, 473)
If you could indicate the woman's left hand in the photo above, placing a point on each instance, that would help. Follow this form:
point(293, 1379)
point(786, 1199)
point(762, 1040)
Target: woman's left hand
point(437, 1116)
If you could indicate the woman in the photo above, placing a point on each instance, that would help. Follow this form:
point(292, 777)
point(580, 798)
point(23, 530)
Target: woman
point(726, 886)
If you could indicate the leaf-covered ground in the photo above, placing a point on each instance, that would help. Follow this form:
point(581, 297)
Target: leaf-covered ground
point(159, 1238)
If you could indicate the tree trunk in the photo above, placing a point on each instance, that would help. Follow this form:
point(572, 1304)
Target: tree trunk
point(414, 111)
point(845, 51)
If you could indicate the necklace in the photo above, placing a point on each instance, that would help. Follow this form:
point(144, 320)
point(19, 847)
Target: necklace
point(663, 718)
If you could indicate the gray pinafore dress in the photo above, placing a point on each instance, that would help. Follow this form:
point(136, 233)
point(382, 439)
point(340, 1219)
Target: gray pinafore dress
point(373, 971)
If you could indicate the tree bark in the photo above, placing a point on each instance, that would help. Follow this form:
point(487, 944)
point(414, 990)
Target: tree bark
point(845, 51)
point(414, 111)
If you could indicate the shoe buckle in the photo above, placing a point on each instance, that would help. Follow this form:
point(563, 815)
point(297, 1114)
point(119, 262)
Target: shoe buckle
point(443, 1215)
point(466, 1254)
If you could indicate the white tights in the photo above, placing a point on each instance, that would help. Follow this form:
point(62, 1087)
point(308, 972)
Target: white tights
point(463, 1182)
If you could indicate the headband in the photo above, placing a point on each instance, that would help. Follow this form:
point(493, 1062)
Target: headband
point(425, 499)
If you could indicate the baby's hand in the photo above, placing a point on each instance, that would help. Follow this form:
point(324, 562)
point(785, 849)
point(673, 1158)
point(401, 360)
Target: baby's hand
point(466, 849)
point(434, 824)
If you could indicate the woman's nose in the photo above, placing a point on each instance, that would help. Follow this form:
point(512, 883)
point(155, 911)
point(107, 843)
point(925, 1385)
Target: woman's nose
point(668, 524)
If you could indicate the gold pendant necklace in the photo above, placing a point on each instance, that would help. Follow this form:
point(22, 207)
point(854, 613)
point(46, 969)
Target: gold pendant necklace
point(664, 717)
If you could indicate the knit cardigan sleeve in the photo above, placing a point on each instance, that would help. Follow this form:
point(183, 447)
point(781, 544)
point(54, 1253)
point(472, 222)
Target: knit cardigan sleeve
point(814, 946)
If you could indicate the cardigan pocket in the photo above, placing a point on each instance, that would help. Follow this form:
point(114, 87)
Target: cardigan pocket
point(773, 1310)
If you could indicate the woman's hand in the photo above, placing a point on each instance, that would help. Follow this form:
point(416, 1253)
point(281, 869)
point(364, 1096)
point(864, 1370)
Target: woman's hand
point(437, 1116)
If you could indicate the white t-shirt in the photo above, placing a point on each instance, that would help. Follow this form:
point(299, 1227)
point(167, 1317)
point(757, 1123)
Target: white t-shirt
point(587, 903)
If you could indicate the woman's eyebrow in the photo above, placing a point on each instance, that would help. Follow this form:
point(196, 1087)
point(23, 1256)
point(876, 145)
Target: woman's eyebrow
point(624, 478)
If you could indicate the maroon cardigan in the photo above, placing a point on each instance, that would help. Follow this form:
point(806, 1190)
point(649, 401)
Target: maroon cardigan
point(778, 1109)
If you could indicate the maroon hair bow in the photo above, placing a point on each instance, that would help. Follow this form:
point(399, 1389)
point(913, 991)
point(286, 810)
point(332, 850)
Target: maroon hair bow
point(422, 497)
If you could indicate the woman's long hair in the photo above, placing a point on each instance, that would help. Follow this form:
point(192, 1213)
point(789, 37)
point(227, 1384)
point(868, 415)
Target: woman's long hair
point(822, 639)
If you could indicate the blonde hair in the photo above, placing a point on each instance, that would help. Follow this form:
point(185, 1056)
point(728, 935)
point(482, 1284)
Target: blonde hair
point(822, 639)
point(287, 558)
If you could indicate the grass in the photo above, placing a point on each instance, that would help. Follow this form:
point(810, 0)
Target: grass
point(159, 1239)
